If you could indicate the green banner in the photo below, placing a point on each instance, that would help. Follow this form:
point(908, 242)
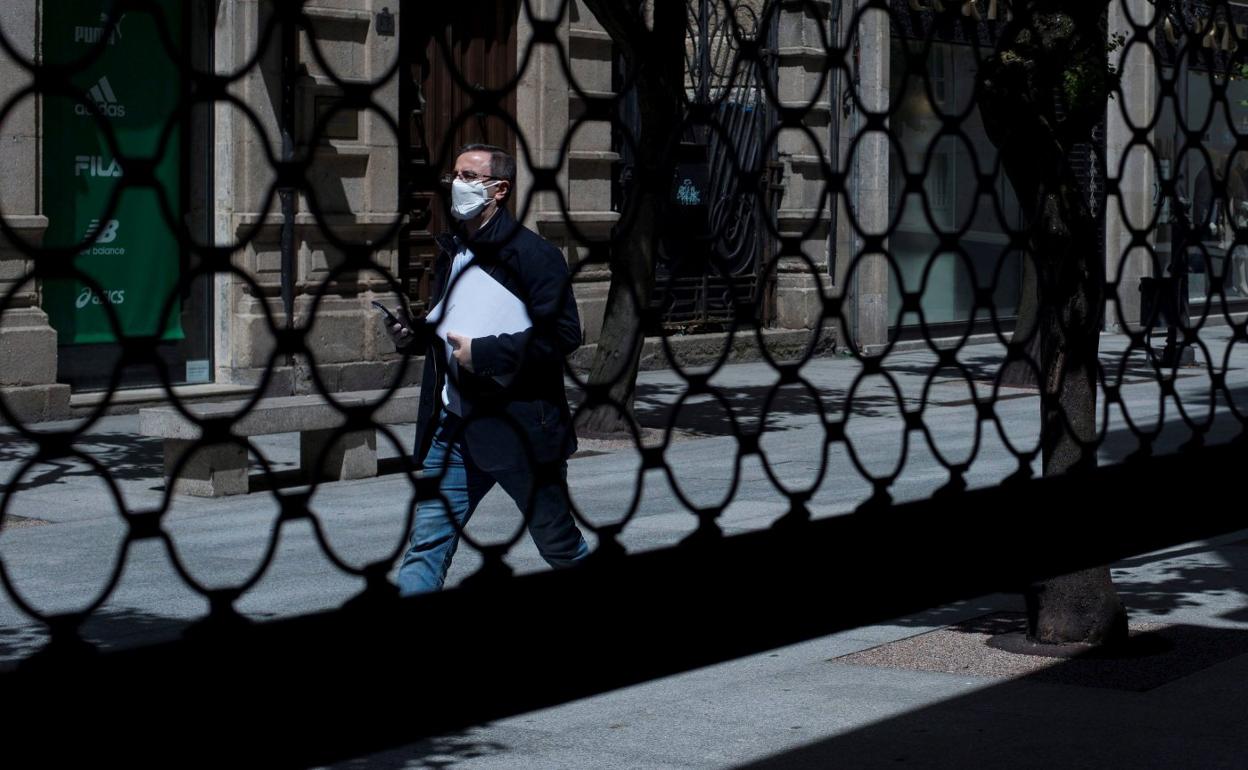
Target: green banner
point(131, 253)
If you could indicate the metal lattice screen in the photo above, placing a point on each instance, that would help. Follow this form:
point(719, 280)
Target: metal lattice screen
point(1035, 173)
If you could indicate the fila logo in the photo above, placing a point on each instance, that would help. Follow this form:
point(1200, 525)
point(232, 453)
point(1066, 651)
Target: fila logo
point(105, 101)
point(90, 35)
point(107, 235)
point(94, 165)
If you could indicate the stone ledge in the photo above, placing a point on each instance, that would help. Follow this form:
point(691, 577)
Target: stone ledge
point(37, 403)
point(592, 94)
point(802, 215)
point(806, 53)
point(805, 160)
point(338, 14)
point(592, 156)
point(808, 106)
point(308, 219)
point(130, 400)
point(589, 35)
point(26, 221)
point(282, 414)
point(589, 222)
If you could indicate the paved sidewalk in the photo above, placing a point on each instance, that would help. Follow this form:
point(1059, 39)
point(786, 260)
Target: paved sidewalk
point(63, 544)
point(909, 694)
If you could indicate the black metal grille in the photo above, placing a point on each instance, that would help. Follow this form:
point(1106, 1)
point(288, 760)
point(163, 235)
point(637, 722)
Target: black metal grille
point(948, 545)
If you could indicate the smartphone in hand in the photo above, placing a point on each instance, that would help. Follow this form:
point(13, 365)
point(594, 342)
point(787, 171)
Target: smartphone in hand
point(390, 317)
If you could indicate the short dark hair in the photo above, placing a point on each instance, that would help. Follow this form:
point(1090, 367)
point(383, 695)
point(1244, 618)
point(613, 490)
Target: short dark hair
point(502, 164)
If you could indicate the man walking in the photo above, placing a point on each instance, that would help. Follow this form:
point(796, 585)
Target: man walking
point(471, 430)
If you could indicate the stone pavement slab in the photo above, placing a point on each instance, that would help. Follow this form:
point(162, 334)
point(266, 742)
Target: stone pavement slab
point(897, 694)
point(785, 707)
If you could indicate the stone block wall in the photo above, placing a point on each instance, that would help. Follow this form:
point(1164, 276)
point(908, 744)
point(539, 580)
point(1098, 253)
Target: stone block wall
point(804, 211)
point(352, 176)
point(549, 108)
point(551, 111)
point(28, 384)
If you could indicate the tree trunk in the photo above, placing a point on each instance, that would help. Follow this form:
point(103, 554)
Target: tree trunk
point(1024, 373)
point(1082, 607)
point(1042, 92)
point(656, 56)
point(613, 375)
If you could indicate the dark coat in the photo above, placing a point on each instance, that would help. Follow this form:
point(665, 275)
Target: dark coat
point(531, 414)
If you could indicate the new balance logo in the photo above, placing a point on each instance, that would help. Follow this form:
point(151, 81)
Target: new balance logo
point(105, 99)
point(107, 235)
point(90, 35)
point(93, 165)
point(97, 237)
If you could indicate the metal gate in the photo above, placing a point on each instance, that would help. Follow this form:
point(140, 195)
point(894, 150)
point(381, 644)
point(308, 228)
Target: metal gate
point(704, 282)
point(378, 670)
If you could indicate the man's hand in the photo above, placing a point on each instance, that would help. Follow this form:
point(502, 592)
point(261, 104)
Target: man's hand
point(400, 335)
point(462, 350)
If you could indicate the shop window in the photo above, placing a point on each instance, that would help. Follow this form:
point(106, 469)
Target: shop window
point(925, 87)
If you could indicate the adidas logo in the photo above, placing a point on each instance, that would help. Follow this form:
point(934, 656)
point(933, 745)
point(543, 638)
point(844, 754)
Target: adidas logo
point(105, 99)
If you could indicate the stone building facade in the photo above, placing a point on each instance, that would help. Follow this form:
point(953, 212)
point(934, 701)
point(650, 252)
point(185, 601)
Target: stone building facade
point(356, 152)
point(354, 175)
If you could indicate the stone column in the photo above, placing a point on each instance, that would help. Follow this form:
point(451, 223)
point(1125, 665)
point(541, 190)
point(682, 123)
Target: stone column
point(803, 211)
point(1136, 176)
point(27, 341)
point(867, 284)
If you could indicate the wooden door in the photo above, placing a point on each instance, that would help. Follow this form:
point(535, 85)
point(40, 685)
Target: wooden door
point(449, 52)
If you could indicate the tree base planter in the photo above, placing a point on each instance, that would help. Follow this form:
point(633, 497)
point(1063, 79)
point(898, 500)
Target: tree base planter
point(1079, 608)
point(1134, 647)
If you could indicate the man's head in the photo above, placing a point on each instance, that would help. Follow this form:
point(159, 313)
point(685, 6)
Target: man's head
point(481, 181)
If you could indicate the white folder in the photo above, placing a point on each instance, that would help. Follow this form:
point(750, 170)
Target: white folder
point(479, 306)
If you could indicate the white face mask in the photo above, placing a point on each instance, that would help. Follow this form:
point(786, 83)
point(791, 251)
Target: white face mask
point(468, 198)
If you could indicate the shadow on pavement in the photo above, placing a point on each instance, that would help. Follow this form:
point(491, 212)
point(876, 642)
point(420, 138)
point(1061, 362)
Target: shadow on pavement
point(127, 457)
point(1178, 701)
point(444, 751)
point(1069, 715)
point(704, 417)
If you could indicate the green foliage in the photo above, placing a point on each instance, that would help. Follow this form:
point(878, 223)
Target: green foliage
point(1090, 81)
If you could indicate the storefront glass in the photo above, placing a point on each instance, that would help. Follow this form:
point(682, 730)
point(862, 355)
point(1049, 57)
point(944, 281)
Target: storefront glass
point(922, 97)
point(1213, 183)
point(131, 262)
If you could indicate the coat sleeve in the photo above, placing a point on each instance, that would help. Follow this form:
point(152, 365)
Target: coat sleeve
point(556, 330)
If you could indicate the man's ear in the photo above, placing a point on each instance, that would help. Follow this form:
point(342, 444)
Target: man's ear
point(501, 190)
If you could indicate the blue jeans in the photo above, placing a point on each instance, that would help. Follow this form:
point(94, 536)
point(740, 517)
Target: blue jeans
point(434, 537)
